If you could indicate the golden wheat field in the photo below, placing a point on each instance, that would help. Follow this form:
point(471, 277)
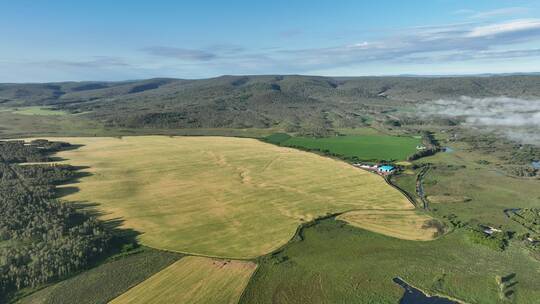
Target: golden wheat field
point(218, 196)
point(193, 280)
point(403, 224)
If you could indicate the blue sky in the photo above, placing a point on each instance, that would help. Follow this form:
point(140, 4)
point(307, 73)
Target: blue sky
point(118, 40)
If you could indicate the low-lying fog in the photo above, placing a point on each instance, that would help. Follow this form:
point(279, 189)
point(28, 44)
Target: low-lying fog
point(517, 119)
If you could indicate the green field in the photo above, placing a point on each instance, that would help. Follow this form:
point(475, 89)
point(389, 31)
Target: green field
point(218, 196)
point(106, 281)
point(193, 280)
point(337, 263)
point(364, 147)
point(458, 184)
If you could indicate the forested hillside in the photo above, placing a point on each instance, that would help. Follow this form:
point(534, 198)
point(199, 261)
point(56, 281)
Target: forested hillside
point(292, 103)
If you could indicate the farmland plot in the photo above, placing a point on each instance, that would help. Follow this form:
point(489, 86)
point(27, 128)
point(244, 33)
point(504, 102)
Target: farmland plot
point(193, 280)
point(218, 196)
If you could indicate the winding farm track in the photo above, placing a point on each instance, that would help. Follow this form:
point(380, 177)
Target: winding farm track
point(405, 193)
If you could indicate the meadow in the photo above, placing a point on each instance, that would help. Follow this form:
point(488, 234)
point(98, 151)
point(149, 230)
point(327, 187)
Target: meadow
point(193, 280)
point(20, 125)
point(218, 196)
point(334, 262)
point(36, 110)
point(464, 184)
point(363, 147)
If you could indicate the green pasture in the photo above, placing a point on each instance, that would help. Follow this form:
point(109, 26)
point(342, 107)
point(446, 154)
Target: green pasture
point(362, 147)
point(458, 175)
point(337, 263)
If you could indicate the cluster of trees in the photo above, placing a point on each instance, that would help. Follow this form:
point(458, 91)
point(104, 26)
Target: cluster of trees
point(17, 151)
point(497, 240)
point(506, 286)
point(515, 158)
point(431, 146)
point(41, 238)
point(522, 171)
point(433, 223)
point(529, 218)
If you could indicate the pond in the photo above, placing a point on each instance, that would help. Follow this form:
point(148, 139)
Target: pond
point(415, 296)
point(536, 164)
point(448, 149)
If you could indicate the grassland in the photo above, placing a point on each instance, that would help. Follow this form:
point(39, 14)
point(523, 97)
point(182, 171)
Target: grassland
point(364, 147)
point(459, 184)
point(16, 125)
point(217, 196)
point(36, 110)
point(402, 224)
point(106, 281)
point(193, 280)
point(337, 263)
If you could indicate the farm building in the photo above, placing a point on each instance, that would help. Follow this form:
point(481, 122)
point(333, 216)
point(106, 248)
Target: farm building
point(380, 169)
point(366, 166)
point(490, 230)
point(386, 169)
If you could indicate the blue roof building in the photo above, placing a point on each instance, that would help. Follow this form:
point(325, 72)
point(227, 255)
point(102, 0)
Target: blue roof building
point(386, 168)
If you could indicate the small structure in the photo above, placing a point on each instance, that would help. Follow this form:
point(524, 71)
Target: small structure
point(533, 241)
point(366, 166)
point(420, 147)
point(490, 230)
point(386, 169)
point(379, 169)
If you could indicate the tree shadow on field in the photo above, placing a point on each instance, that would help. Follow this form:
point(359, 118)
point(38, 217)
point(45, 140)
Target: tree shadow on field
point(68, 190)
point(121, 237)
point(54, 156)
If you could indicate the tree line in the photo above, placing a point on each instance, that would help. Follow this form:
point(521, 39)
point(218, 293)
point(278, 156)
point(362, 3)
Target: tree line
point(431, 146)
point(41, 238)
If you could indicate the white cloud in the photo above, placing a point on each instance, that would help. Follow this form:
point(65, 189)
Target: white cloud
point(516, 118)
point(514, 26)
point(180, 53)
point(499, 12)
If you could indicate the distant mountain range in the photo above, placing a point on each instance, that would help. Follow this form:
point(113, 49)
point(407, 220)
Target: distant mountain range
point(290, 102)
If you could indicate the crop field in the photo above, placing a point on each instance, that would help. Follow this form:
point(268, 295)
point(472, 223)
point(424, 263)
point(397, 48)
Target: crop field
point(193, 280)
point(363, 147)
point(338, 263)
point(402, 224)
point(106, 281)
point(218, 196)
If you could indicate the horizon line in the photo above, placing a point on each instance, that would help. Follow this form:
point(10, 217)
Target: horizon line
point(457, 75)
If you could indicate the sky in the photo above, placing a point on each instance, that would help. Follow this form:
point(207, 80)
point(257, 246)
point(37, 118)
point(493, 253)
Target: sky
point(60, 40)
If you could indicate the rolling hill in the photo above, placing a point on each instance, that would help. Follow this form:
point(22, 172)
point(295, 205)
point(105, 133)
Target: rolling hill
point(295, 103)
